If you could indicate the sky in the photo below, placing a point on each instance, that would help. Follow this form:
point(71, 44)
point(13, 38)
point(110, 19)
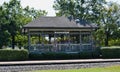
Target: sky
point(46, 5)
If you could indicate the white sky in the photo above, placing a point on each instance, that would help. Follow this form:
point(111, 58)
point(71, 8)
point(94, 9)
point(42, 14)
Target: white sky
point(42, 4)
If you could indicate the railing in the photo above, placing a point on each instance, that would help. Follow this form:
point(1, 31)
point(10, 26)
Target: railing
point(60, 47)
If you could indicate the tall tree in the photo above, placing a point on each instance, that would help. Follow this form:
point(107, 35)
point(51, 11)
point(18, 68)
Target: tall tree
point(105, 15)
point(4, 34)
point(83, 9)
point(16, 16)
point(109, 20)
point(31, 12)
point(14, 10)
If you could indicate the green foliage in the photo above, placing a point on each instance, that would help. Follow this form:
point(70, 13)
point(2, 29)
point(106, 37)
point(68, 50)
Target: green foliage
point(12, 17)
point(115, 35)
point(110, 20)
point(4, 38)
point(110, 52)
point(105, 15)
point(49, 55)
point(114, 42)
point(10, 54)
point(4, 34)
point(79, 8)
point(31, 12)
point(21, 40)
point(54, 55)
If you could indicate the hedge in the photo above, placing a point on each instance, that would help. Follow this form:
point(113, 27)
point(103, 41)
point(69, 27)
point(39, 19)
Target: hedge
point(110, 52)
point(11, 54)
point(53, 55)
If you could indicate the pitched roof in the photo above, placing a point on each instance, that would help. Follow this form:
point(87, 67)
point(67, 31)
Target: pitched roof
point(58, 22)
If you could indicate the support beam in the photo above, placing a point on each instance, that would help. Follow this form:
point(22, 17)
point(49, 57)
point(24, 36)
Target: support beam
point(69, 39)
point(42, 35)
point(80, 40)
point(55, 43)
point(49, 38)
point(91, 36)
point(29, 42)
point(39, 38)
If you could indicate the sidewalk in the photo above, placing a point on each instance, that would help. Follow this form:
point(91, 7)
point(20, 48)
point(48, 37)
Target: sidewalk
point(46, 62)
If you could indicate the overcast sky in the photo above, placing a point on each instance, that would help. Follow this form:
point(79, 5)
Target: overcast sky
point(42, 4)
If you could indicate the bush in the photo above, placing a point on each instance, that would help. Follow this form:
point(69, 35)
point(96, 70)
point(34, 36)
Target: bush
point(110, 52)
point(85, 55)
point(53, 55)
point(48, 55)
point(11, 54)
point(114, 42)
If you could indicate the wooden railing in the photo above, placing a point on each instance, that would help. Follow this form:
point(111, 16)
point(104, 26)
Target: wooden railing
point(60, 47)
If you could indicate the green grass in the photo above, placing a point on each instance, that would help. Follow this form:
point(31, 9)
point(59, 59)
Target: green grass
point(104, 69)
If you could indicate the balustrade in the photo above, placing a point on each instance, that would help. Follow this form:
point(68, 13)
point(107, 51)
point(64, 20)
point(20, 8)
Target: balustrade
point(60, 47)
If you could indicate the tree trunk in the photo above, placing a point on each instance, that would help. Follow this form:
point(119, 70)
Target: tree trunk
point(106, 39)
point(13, 41)
point(50, 38)
point(39, 39)
point(1, 46)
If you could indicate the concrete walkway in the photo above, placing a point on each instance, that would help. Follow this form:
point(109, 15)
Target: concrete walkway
point(46, 62)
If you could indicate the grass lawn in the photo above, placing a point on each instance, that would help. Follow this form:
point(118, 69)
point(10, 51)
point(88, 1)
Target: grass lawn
point(105, 69)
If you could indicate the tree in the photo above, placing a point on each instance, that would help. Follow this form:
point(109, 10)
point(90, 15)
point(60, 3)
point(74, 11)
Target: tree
point(4, 34)
point(105, 15)
point(110, 17)
point(80, 9)
point(21, 40)
point(14, 10)
point(31, 12)
point(14, 17)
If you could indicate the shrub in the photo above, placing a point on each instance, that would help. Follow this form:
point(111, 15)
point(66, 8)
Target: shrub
point(11, 54)
point(110, 52)
point(85, 55)
point(114, 42)
point(47, 55)
point(96, 53)
point(54, 55)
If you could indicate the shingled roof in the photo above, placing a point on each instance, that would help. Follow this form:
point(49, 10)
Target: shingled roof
point(58, 22)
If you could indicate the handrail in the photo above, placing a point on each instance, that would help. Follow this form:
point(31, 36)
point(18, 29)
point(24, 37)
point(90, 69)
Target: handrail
point(61, 44)
point(60, 47)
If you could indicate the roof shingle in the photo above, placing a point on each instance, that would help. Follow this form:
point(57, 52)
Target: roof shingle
point(58, 22)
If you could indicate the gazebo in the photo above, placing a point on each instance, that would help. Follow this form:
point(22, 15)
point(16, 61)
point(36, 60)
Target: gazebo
point(60, 34)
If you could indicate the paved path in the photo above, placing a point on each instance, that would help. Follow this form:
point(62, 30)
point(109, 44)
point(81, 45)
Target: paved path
point(44, 62)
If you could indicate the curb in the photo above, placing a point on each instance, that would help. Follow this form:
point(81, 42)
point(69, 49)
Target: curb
point(49, 62)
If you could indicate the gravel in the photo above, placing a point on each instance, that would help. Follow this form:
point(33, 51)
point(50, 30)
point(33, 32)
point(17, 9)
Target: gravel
point(29, 68)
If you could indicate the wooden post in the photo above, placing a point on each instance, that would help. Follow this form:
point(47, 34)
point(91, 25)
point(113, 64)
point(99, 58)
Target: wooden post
point(39, 38)
point(69, 43)
point(80, 41)
point(91, 40)
point(55, 45)
point(69, 38)
point(42, 35)
point(29, 42)
point(49, 38)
